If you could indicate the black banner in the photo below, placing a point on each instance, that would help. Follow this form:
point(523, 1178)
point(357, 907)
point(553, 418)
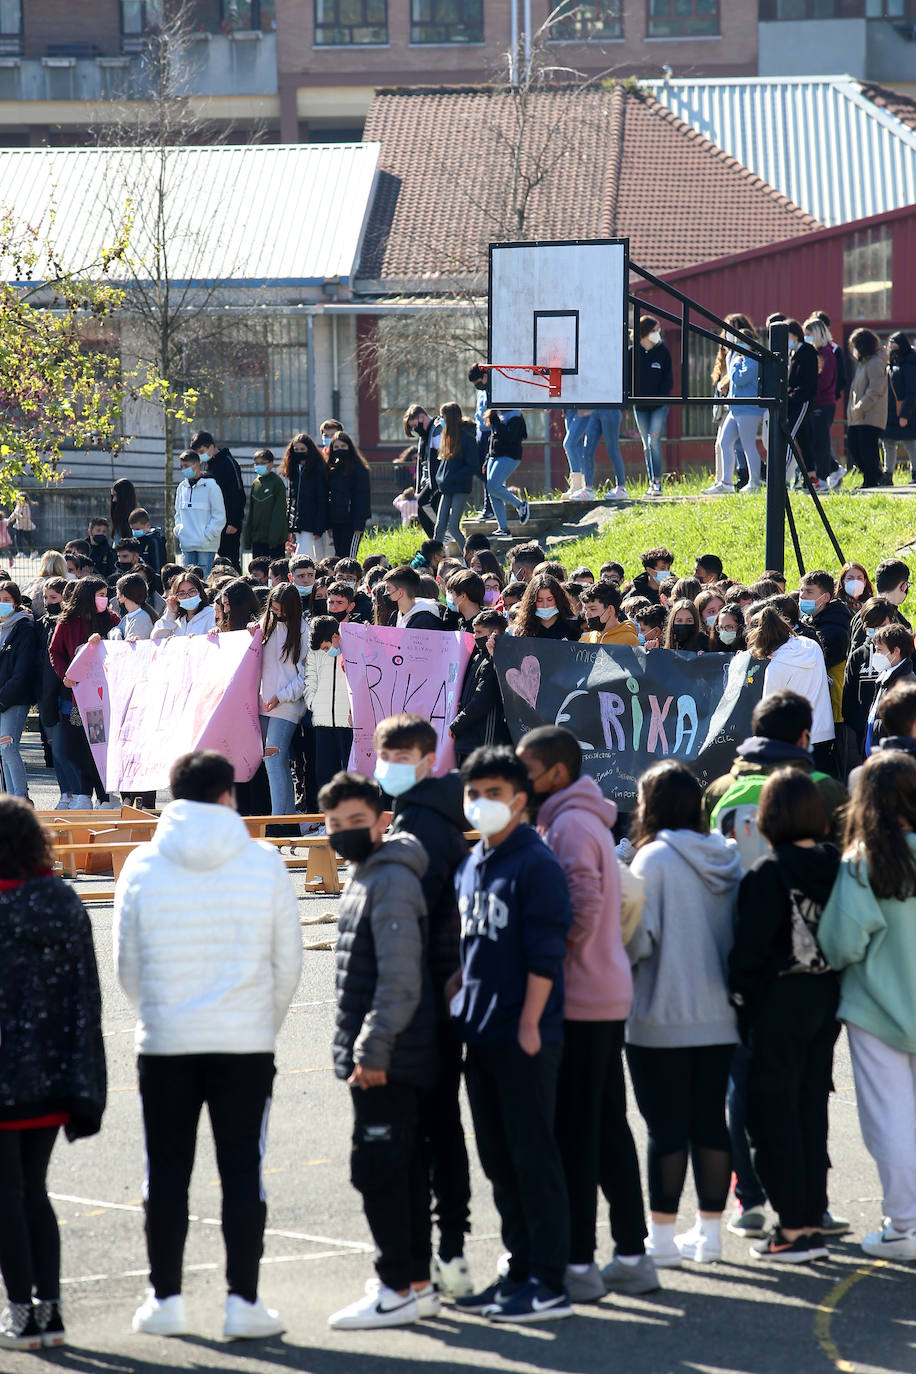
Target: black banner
point(628, 708)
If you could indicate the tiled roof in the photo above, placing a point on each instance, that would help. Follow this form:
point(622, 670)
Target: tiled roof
point(591, 163)
point(841, 149)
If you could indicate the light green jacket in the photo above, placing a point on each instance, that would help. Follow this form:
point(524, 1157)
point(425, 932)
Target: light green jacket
point(872, 942)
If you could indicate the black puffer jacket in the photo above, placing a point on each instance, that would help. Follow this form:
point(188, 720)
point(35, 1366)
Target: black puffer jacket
point(307, 501)
point(17, 663)
point(481, 718)
point(228, 476)
point(47, 687)
point(349, 496)
point(385, 1012)
point(51, 1054)
point(433, 812)
point(832, 626)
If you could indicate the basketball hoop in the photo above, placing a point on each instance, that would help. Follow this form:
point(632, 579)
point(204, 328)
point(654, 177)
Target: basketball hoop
point(554, 375)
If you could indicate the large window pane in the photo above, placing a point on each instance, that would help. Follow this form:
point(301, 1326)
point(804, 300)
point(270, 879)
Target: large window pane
point(587, 21)
point(446, 21)
point(253, 382)
point(342, 22)
point(868, 275)
point(11, 16)
point(683, 18)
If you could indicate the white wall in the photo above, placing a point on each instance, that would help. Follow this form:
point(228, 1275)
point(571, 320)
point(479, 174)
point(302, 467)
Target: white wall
point(812, 47)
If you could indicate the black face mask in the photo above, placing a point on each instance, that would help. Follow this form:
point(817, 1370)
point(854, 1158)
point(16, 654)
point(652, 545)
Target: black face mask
point(53, 610)
point(352, 845)
point(682, 633)
point(125, 567)
point(339, 616)
point(595, 622)
point(98, 539)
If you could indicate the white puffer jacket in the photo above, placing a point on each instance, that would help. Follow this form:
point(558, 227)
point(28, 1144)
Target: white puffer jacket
point(326, 693)
point(206, 935)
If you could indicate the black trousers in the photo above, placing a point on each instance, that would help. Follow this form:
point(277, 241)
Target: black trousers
point(513, 1099)
point(230, 546)
point(595, 1139)
point(29, 1238)
point(237, 1091)
point(862, 448)
point(681, 1095)
point(388, 1170)
point(821, 422)
point(427, 506)
point(78, 754)
point(788, 1084)
point(332, 751)
point(446, 1152)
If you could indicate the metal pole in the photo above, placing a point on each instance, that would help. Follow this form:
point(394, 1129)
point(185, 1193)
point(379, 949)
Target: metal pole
point(310, 369)
point(527, 41)
point(775, 383)
point(335, 368)
point(513, 43)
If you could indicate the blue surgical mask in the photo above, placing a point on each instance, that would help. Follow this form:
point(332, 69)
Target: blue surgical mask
point(260, 469)
point(304, 591)
point(642, 638)
point(546, 612)
point(188, 472)
point(334, 652)
point(870, 634)
point(189, 603)
point(6, 608)
point(662, 574)
point(395, 778)
point(450, 602)
point(807, 606)
point(710, 620)
point(728, 636)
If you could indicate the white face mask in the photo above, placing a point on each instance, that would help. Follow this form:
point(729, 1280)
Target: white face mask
point(488, 816)
point(655, 337)
point(880, 662)
point(728, 636)
point(854, 586)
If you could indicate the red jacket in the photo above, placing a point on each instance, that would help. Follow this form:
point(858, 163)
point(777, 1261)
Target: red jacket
point(69, 635)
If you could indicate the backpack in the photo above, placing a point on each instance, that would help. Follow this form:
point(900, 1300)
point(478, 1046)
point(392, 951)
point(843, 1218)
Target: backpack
point(735, 816)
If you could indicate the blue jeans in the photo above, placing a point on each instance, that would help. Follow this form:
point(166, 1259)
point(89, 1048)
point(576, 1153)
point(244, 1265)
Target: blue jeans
point(605, 422)
point(202, 557)
point(580, 442)
point(740, 425)
point(277, 733)
point(499, 470)
point(748, 1188)
point(68, 779)
point(12, 721)
point(448, 516)
point(651, 424)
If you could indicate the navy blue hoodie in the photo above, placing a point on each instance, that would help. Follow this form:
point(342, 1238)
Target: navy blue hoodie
point(515, 915)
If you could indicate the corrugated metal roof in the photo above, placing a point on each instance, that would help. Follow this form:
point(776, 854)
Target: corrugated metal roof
point(290, 214)
point(818, 140)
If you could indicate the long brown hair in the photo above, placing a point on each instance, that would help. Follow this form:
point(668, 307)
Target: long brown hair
point(767, 631)
point(290, 603)
point(348, 460)
point(526, 622)
point(883, 797)
point(82, 606)
point(698, 640)
point(741, 325)
point(450, 443)
point(669, 798)
point(293, 461)
point(843, 595)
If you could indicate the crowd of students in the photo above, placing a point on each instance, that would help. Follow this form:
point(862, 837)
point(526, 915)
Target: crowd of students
point(718, 939)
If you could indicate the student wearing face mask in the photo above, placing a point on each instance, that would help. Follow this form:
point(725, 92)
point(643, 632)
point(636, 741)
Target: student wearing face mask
point(188, 609)
point(683, 630)
point(860, 677)
point(507, 1002)
point(854, 587)
point(431, 810)
point(47, 692)
point(282, 691)
point(302, 576)
point(137, 617)
point(420, 425)
point(349, 494)
point(655, 575)
point(654, 377)
point(727, 635)
point(464, 593)
point(481, 716)
point(86, 618)
point(402, 586)
point(892, 660)
point(305, 470)
point(546, 611)
point(601, 605)
point(17, 671)
point(200, 513)
point(892, 584)
point(866, 412)
point(327, 698)
point(802, 387)
point(266, 527)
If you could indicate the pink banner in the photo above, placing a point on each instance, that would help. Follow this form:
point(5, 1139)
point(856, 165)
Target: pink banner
point(390, 670)
point(145, 704)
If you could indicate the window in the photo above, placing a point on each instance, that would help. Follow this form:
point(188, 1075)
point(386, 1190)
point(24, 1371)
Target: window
point(824, 9)
point(683, 18)
point(867, 275)
point(583, 22)
point(140, 16)
point(253, 381)
point(351, 21)
point(446, 21)
point(251, 16)
point(11, 18)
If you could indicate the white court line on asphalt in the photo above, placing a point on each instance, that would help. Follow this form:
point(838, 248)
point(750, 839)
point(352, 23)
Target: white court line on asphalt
point(325, 1002)
point(266, 1259)
point(347, 1245)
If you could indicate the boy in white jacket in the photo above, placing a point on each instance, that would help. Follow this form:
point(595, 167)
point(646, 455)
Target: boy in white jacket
point(200, 514)
point(208, 947)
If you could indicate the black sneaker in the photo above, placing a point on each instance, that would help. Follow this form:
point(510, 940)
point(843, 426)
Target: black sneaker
point(18, 1328)
point(498, 1292)
point(834, 1226)
point(531, 1302)
point(801, 1250)
point(50, 1322)
point(524, 513)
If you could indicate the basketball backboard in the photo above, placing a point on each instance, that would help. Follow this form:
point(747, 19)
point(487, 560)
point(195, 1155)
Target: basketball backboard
point(561, 304)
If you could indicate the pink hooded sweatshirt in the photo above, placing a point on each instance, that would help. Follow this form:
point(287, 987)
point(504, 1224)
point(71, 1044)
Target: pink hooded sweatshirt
point(576, 823)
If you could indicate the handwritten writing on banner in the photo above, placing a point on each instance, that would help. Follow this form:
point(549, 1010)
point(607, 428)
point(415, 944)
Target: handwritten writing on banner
point(159, 700)
point(629, 708)
point(390, 671)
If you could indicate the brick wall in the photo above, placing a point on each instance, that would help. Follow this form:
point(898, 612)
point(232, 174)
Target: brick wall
point(92, 22)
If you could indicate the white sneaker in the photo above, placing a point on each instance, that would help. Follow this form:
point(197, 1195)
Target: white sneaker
point(81, 802)
point(452, 1277)
point(382, 1307)
point(109, 806)
point(696, 1245)
point(750, 488)
point(720, 489)
point(503, 1263)
point(248, 1320)
point(618, 494)
point(583, 494)
point(165, 1317)
point(428, 1303)
point(890, 1243)
point(835, 479)
point(663, 1258)
point(655, 489)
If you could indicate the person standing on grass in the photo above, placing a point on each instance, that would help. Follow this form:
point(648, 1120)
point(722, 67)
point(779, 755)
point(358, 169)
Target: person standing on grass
point(866, 412)
point(266, 527)
point(384, 1047)
point(455, 473)
point(786, 995)
point(868, 933)
point(305, 469)
point(652, 374)
point(225, 471)
point(52, 1066)
point(508, 433)
point(200, 514)
point(349, 494)
point(207, 947)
